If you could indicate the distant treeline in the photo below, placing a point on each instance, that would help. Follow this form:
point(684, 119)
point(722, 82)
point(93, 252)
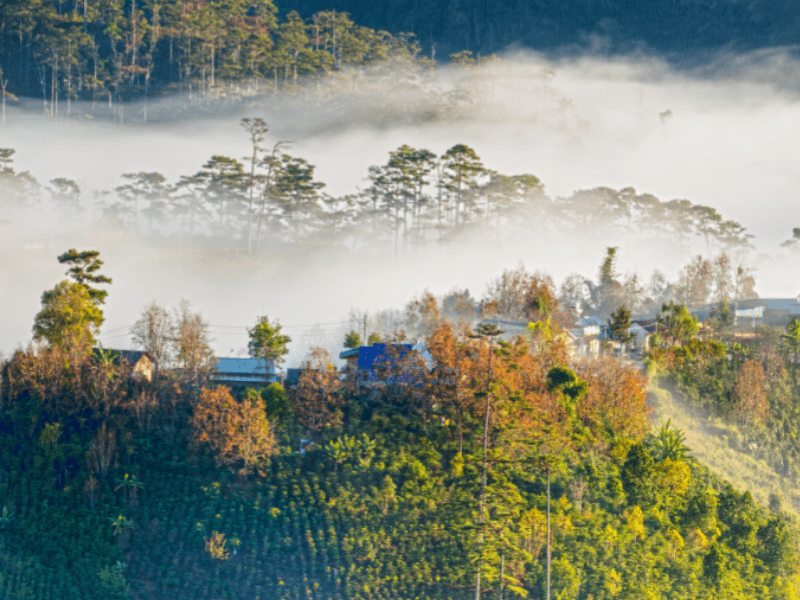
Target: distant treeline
point(416, 198)
point(486, 26)
point(120, 49)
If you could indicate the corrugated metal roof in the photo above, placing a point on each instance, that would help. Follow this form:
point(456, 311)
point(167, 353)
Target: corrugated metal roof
point(246, 379)
point(245, 366)
point(378, 355)
point(789, 304)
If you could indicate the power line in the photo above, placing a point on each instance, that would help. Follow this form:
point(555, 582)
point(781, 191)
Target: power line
point(282, 326)
point(127, 327)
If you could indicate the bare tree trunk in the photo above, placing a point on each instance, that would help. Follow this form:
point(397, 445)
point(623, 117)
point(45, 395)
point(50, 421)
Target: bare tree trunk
point(265, 195)
point(212, 62)
point(3, 82)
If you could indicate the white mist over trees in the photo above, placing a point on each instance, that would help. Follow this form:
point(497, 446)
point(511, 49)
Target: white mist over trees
point(541, 130)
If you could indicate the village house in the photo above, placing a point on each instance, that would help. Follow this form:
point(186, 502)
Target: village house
point(641, 332)
point(374, 362)
point(244, 372)
point(143, 366)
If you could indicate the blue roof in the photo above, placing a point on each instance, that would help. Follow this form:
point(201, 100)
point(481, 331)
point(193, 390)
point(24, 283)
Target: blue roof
point(591, 322)
point(382, 355)
point(368, 356)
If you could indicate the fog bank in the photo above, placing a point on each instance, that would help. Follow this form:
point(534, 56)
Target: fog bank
point(723, 137)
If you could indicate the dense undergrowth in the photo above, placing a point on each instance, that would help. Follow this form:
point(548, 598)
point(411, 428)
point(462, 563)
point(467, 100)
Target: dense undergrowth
point(386, 504)
point(746, 394)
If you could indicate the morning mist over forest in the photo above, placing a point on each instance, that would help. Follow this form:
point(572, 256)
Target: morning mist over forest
point(721, 138)
point(334, 300)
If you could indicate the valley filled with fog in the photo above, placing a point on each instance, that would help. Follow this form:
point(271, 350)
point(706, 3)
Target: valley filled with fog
point(722, 137)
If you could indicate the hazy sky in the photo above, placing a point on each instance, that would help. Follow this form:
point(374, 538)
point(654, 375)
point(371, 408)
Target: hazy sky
point(731, 142)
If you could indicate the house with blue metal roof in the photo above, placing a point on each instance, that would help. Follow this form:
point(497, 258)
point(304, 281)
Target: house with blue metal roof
point(377, 362)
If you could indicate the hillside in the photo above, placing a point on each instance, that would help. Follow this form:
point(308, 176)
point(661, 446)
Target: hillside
point(118, 487)
point(112, 52)
point(677, 27)
point(710, 442)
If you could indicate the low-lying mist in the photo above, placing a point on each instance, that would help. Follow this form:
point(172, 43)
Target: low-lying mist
point(723, 136)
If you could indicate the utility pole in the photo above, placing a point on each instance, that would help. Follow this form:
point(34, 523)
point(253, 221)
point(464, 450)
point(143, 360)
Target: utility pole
point(483, 331)
point(502, 572)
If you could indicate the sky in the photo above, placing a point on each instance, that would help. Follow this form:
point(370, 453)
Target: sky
point(722, 136)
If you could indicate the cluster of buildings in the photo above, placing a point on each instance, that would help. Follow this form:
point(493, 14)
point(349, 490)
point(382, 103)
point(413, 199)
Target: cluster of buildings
point(590, 332)
point(374, 362)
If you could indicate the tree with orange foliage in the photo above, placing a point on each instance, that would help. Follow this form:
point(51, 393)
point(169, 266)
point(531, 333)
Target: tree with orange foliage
point(616, 399)
point(423, 314)
point(518, 294)
point(235, 432)
point(750, 393)
point(450, 383)
point(317, 398)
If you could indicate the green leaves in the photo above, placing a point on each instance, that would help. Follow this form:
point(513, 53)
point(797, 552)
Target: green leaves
point(564, 381)
point(669, 443)
point(84, 267)
point(267, 341)
point(70, 317)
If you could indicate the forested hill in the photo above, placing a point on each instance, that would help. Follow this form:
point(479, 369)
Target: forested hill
point(116, 50)
point(488, 26)
point(489, 469)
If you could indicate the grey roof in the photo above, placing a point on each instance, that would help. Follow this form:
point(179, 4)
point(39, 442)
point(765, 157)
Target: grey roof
point(510, 329)
point(792, 305)
point(245, 367)
point(590, 322)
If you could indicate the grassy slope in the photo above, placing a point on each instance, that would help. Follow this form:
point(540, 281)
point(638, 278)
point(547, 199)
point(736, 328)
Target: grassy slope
point(710, 442)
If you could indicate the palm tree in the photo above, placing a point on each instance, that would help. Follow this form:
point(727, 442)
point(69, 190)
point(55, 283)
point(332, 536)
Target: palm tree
point(792, 337)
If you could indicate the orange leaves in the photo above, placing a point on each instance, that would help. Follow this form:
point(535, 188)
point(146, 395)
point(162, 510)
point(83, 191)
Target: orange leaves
point(316, 401)
point(235, 432)
point(616, 398)
point(750, 393)
point(523, 409)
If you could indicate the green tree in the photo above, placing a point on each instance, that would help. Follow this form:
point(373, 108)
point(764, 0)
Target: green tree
point(722, 318)
point(276, 401)
point(298, 193)
point(352, 340)
point(16, 189)
point(149, 187)
point(775, 544)
point(83, 268)
point(70, 317)
point(489, 332)
point(66, 191)
point(794, 243)
point(223, 183)
point(677, 323)
point(267, 341)
point(608, 274)
point(669, 443)
point(714, 564)
point(637, 476)
point(620, 324)
point(461, 169)
point(558, 435)
point(792, 339)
